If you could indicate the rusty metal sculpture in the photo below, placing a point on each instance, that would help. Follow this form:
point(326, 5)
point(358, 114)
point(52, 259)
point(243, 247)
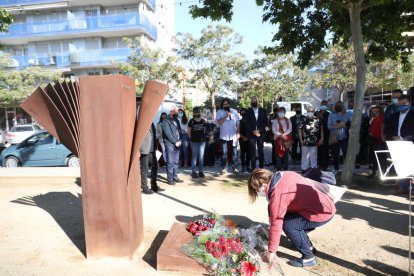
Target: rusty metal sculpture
point(96, 119)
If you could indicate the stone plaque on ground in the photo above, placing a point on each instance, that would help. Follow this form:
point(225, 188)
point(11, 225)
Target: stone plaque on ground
point(171, 258)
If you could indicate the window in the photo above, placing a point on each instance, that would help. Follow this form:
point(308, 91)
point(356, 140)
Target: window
point(21, 128)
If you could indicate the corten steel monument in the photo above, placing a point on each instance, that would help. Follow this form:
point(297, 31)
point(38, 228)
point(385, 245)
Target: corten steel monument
point(97, 120)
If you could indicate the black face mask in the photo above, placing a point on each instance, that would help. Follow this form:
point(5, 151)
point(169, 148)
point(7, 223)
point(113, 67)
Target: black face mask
point(175, 116)
point(298, 112)
point(254, 105)
point(227, 108)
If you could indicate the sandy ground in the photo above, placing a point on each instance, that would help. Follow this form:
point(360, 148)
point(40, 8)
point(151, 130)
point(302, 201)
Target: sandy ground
point(42, 227)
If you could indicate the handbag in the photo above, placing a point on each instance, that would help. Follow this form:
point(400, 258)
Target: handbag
point(283, 145)
point(333, 138)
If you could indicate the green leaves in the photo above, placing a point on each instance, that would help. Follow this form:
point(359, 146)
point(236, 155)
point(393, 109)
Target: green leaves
point(5, 20)
point(147, 64)
point(214, 9)
point(15, 86)
point(212, 59)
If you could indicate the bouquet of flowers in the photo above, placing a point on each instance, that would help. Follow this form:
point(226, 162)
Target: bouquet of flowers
point(225, 249)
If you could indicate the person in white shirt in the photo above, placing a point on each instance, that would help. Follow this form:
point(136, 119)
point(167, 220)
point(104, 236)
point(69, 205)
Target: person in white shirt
point(282, 129)
point(229, 122)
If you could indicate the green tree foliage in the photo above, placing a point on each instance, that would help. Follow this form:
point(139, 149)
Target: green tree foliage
point(211, 59)
point(390, 74)
point(5, 20)
point(273, 77)
point(145, 64)
point(15, 86)
point(304, 26)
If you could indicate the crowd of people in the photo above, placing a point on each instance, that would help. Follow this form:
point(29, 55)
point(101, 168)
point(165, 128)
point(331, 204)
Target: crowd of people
point(313, 139)
point(296, 205)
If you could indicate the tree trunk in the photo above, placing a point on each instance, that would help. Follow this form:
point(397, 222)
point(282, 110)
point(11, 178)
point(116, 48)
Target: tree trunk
point(361, 70)
point(213, 103)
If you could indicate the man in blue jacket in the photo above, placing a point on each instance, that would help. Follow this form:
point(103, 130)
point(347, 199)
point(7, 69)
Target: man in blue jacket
point(172, 137)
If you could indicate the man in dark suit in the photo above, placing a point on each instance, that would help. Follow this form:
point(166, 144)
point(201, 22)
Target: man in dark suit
point(296, 120)
point(400, 127)
point(172, 139)
point(256, 122)
point(145, 154)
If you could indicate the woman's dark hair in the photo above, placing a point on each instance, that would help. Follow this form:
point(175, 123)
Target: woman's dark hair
point(242, 109)
point(224, 100)
point(379, 108)
point(404, 97)
point(282, 108)
point(184, 119)
point(162, 115)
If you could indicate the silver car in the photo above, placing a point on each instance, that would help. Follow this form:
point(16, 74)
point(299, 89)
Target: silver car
point(20, 132)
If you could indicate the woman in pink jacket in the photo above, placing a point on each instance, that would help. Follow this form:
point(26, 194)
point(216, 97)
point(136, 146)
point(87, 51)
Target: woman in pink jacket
point(295, 206)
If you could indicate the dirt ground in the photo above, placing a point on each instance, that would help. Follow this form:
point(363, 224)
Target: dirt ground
point(42, 227)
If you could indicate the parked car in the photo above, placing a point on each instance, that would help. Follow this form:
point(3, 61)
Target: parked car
point(20, 132)
point(40, 149)
point(292, 106)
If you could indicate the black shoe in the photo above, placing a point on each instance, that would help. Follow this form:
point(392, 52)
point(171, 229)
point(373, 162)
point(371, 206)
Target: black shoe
point(147, 191)
point(171, 183)
point(157, 189)
point(178, 180)
point(193, 175)
point(201, 174)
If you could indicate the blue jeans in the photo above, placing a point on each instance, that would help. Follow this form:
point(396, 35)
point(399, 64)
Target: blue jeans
point(197, 152)
point(296, 228)
point(173, 158)
point(185, 142)
point(225, 146)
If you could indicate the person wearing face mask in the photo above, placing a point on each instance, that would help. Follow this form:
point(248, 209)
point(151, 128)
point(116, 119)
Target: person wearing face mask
point(256, 122)
point(400, 127)
point(172, 137)
point(323, 150)
point(229, 122)
point(375, 139)
point(391, 109)
point(339, 123)
point(296, 206)
point(296, 121)
point(310, 136)
point(197, 128)
point(273, 116)
point(282, 129)
point(182, 118)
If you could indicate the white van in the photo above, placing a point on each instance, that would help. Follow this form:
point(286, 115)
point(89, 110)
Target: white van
point(292, 106)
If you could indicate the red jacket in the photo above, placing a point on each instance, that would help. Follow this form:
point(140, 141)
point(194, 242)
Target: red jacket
point(296, 194)
point(375, 129)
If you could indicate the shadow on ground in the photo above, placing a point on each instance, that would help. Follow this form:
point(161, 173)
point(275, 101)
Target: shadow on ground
point(150, 256)
point(66, 210)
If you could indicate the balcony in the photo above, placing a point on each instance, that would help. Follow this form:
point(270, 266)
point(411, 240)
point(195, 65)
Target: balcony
point(84, 25)
point(6, 3)
point(78, 58)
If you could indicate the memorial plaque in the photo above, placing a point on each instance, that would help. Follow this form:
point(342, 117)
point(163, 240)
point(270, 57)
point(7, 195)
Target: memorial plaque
point(171, 258)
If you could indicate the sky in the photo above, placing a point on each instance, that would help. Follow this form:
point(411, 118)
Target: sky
point(247, 21)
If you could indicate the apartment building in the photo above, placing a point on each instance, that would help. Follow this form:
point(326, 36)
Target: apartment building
point(81, 37)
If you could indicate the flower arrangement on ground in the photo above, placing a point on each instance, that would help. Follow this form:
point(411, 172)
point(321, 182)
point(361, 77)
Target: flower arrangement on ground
point(225, 249)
